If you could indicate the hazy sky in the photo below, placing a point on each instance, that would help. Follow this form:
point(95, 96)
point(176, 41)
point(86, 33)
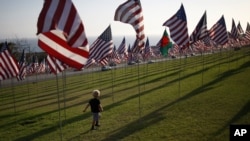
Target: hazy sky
point(18, 17)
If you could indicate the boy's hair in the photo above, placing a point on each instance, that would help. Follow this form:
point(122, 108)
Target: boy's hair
point(96, 93)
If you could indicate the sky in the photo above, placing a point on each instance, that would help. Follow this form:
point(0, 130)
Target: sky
point(18, 18)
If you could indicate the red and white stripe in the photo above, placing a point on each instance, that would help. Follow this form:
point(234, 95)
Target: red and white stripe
point(62, 15)
point(178, 28)
point(55, 65)
point(131, 12)
point(8, 65)
point(55, 44)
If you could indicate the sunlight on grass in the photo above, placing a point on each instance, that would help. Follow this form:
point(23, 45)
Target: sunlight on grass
point(194, 98)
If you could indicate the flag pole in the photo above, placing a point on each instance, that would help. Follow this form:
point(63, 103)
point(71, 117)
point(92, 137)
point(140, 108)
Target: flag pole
point(228, 56)
point(27, 84)
point(180, 68)
point(139, 90)
point(146, 74)
point(59, 108)
point(112, 73)
point(202, 74)
point(64, 95)
point(166, 65)
point(220, 59)
point(14, 99)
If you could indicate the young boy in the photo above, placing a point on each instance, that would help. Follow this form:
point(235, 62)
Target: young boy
point(96, 108)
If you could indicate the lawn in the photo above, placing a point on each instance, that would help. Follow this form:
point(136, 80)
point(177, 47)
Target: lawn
point(194, 98)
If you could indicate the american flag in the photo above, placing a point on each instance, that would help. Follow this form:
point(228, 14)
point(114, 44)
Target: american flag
point(32, 67)
point(130, 55)
point(41, 67)
point(22, 66)
point(101, 47)
point(200, 31)
point(8, 65)
point(148, 51)
point(234, 32)
point(69, 46)
point(131, 12)
point(135, 49)
point(239, 28)
point(114, 56)
point(178, 28)
point(174, 50)
point(55, 65)
point(248, 31)
point(218, 32)
point(122, 48)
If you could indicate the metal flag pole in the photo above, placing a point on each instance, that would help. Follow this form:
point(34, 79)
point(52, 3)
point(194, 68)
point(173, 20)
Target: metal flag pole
point(28, 88)
point(166, 65)
point(112, 74)
point(59, 108)
point(139, 90)
point(180, 68)
point(228, 56)
point(14, 100)
point(202, 74)
point(64, 93)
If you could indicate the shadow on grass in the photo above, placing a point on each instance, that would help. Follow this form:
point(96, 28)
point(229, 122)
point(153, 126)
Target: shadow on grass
point(154, 117)
point(149, 119)
point(243, 111)
point(81, 117)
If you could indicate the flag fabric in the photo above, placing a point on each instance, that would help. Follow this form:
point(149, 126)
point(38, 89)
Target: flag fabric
point(55, 44)
point(61, 33)
point(122, 48)
point(178, 28)
point(234, 32)
point(200, 31)
point(218, 32)
point(130, 55)
point(148, 50)
point(22, 66)
point(240, 29)
point(130, 12)
point(41, 67)
point(114, 56)
point(101, 47)
point(165, 44)
point(104, 61)
point(55, 65)
point(174, 50)
point(248, 31)
point(8, 65)
point(135, 49)
point(32, 67)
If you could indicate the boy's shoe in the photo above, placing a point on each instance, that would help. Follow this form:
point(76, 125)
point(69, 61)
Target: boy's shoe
point(92, 128)
point(98, 125)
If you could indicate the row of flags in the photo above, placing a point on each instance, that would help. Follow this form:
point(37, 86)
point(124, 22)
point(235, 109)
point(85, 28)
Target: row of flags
point(61, 35)
point(10, 67)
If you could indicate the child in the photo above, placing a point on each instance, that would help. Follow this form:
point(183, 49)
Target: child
point(96, 108)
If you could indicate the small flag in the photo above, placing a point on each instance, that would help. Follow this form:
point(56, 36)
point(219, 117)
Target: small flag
point(22, 66)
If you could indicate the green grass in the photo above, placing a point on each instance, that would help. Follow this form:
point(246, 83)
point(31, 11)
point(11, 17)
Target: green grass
point(189, 99)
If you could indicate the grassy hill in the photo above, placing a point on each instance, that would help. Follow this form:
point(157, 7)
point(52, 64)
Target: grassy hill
point(195, 98)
